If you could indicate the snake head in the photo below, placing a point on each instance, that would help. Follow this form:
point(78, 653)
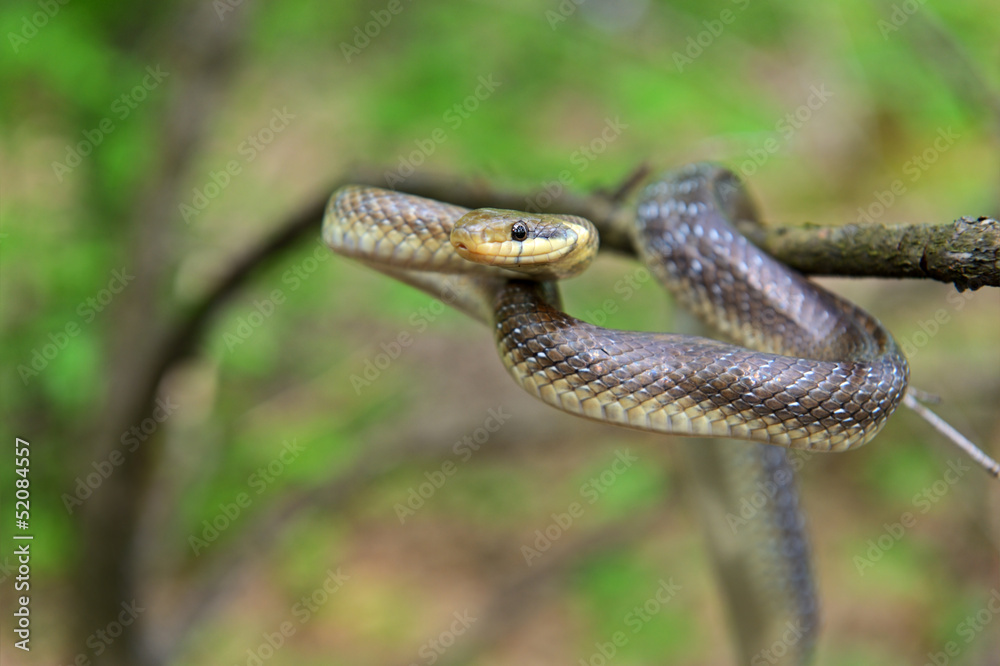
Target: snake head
point(543, 247)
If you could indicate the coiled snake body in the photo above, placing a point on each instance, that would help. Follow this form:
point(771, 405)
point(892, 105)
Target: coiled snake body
point(813, 372)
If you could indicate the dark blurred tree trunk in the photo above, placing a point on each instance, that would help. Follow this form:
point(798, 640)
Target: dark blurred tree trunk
point(198, 53)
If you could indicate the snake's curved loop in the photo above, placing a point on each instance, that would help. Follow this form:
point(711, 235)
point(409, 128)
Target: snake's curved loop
point(813, 371)
point(820, 374)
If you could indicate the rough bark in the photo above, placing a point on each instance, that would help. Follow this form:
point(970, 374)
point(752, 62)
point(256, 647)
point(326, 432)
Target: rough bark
point(965, 253)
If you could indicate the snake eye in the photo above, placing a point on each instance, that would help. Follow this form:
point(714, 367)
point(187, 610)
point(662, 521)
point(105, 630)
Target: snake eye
point(518, 231)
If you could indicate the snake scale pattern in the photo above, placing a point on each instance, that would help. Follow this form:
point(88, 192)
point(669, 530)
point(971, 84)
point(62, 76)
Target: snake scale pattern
point(800, 368)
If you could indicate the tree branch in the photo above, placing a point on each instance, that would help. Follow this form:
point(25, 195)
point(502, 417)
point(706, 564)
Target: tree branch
point(965, 253)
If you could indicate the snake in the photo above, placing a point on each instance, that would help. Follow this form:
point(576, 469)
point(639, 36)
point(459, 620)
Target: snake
point(797, 366)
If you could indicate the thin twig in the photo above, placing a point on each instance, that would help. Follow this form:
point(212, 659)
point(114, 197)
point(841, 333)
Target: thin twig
point(631, 183)
point(954, 436)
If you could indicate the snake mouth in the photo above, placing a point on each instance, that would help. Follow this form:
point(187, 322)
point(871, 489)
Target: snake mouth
point(512, 254)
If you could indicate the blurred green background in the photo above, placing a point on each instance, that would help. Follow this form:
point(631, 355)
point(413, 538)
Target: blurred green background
point(165, 141)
